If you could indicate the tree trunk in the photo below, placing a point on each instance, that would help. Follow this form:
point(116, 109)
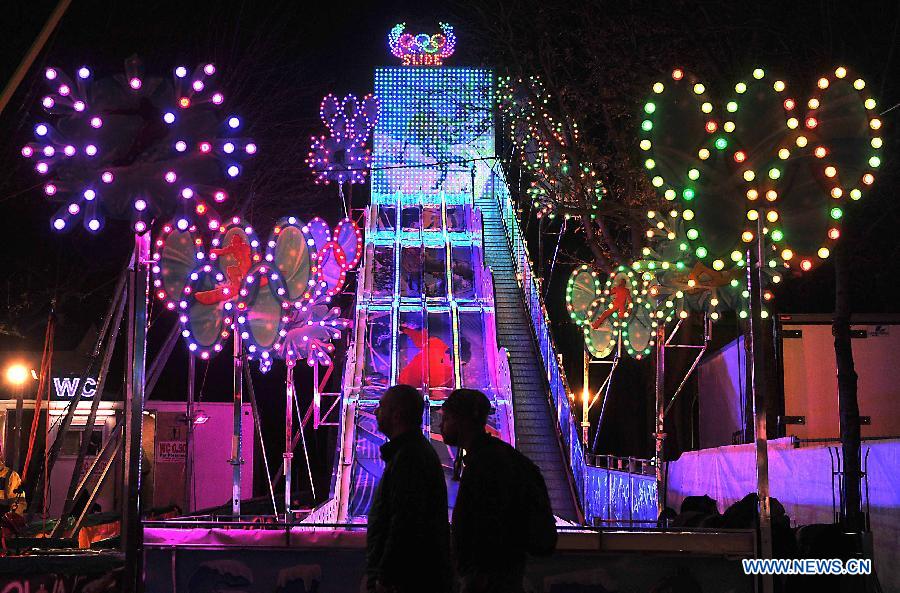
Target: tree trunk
point(848, 404)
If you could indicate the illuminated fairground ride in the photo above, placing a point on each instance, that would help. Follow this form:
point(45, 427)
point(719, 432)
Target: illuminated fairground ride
point(446, 296)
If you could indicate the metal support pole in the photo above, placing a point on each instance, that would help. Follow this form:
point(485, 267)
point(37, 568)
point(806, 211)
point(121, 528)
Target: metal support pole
point(660, 434)
point(317, 397)
point(755, 262)
point(138, 282)
point(189, 437)
point(17, 429)
point(288, 437)
point(236, 443)
point(585, 399)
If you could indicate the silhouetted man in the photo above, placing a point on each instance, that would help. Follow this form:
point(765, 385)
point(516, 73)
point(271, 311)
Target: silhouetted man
point(408, 542)
point(502, 508)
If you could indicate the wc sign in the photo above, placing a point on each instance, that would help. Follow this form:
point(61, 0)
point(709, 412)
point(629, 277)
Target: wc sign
point(65, 388)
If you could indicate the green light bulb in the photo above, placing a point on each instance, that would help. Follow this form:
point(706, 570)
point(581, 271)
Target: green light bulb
point(693, 234)
point(836, 213)
point(646, 125)
point(701, 252)
point(777, 235)
point(650, 107)
point(721, 143)
point(688, 193)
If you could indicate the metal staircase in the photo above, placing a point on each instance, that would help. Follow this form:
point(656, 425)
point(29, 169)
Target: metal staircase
point(537, 433)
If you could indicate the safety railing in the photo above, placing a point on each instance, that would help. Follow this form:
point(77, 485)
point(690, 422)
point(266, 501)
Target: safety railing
point(606, 495)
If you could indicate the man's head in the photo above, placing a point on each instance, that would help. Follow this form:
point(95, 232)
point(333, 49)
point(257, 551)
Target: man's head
point(399, 410)
point(464, 415)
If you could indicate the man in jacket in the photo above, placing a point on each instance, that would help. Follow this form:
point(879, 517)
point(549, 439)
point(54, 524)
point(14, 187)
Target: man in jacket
point(488, 537)
point(11, 496)
point(408, 541)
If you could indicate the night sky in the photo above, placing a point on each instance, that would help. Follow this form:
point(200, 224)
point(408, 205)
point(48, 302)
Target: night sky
point(279, 58)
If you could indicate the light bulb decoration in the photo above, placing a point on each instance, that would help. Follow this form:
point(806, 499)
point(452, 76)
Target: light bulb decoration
point(262, 313)
point(561, 185)
point(309, 330)
point(422, 49)
point(291, 251)
point(176, 253)
point(626, 307)
point(108, 143)
point(342, 156)
point(783, 171)
point(234, 286)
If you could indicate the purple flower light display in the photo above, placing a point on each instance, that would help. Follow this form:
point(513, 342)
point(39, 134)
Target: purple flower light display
point(342, 156)
point(309, 332)
point(135, 148)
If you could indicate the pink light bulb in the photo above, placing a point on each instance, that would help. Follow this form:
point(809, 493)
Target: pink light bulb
point(218, 98)
point(78, 106)
point(96, 122)
point(42, 168)
point(64, 90)
point(220, 196)
point(209, 69)
point(74, 209)
point(135, 83)
point(48, 102)
point(107, 177)
point(90, 150)
point(50, 73)
point(49, 151)
point(27, 152)
point(197, 85)
point(50, 189)
point(170, 177)
point(69, 150)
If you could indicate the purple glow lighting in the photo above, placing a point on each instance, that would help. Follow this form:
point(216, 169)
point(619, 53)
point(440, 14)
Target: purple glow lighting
point(182, 224)
point(49, 189)
point(170, 177)
point(197, 85)
point(83, 72)
point(42, 168)
point(187, 193)
point(169, 117)
point(181, 146)
point(140, 205)
point(59, 224)
point(135, 83)
point(233, 122)
point(90, 150)
point(74, 209)
point(27, 152)
point(69, 150)
point(96, 122)
point(107, 177)
point(220, 196)
point(181, 72)
point(140, 226)
point(213, 224)
point(41, 130)
point(78, 106)
point(250, 148)
point(50, 73)
point(89, 194)
point(64, 90)
point(218, 98)
point(228, 147)
point(49, 151)
point(209, 69)
point(233, 171)
point(48, 102)
point(205, 147)
point(94, 224)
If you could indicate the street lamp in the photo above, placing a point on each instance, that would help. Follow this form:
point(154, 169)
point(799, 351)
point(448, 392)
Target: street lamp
point(16, 375)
